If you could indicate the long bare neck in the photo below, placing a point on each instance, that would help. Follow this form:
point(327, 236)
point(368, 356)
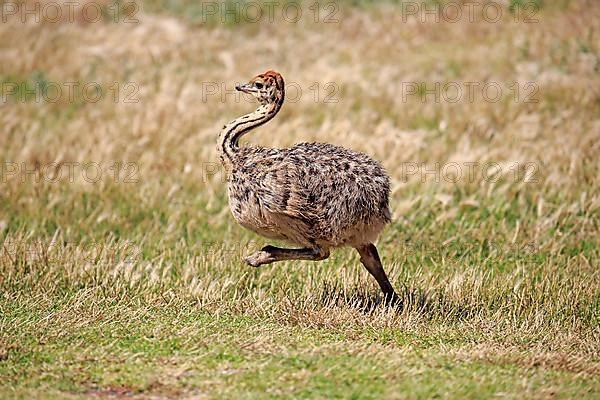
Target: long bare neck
point(228, 144)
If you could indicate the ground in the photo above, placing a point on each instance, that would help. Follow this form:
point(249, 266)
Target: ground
point(121, 272)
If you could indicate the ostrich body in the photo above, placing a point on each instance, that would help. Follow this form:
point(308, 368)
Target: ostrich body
point(314, 195)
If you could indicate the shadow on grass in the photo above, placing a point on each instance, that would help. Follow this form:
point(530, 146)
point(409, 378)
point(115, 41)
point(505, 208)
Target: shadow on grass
point(410, 300)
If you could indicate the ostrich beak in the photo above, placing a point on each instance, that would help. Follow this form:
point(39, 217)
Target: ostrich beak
point(245, 87)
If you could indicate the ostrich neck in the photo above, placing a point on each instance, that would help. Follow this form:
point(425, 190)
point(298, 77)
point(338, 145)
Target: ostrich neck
point(228, 144)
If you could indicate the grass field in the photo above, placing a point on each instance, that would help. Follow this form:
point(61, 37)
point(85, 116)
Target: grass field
point(120, 266)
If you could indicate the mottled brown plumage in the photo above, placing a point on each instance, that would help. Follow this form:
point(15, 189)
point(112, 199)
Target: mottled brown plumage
point(315, 195)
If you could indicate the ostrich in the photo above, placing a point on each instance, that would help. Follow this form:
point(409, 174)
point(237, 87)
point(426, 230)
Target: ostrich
point(316, 196)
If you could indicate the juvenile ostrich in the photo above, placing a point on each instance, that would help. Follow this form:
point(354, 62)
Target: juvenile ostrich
point(314, 195)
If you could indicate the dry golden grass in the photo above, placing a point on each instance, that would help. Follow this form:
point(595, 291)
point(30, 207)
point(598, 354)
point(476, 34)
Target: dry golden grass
point(134, 285)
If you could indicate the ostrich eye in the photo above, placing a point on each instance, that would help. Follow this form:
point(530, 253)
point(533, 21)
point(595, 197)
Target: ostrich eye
point(258, 85)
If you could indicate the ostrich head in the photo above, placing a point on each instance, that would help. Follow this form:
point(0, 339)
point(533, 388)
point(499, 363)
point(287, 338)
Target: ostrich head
point(268, 88)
